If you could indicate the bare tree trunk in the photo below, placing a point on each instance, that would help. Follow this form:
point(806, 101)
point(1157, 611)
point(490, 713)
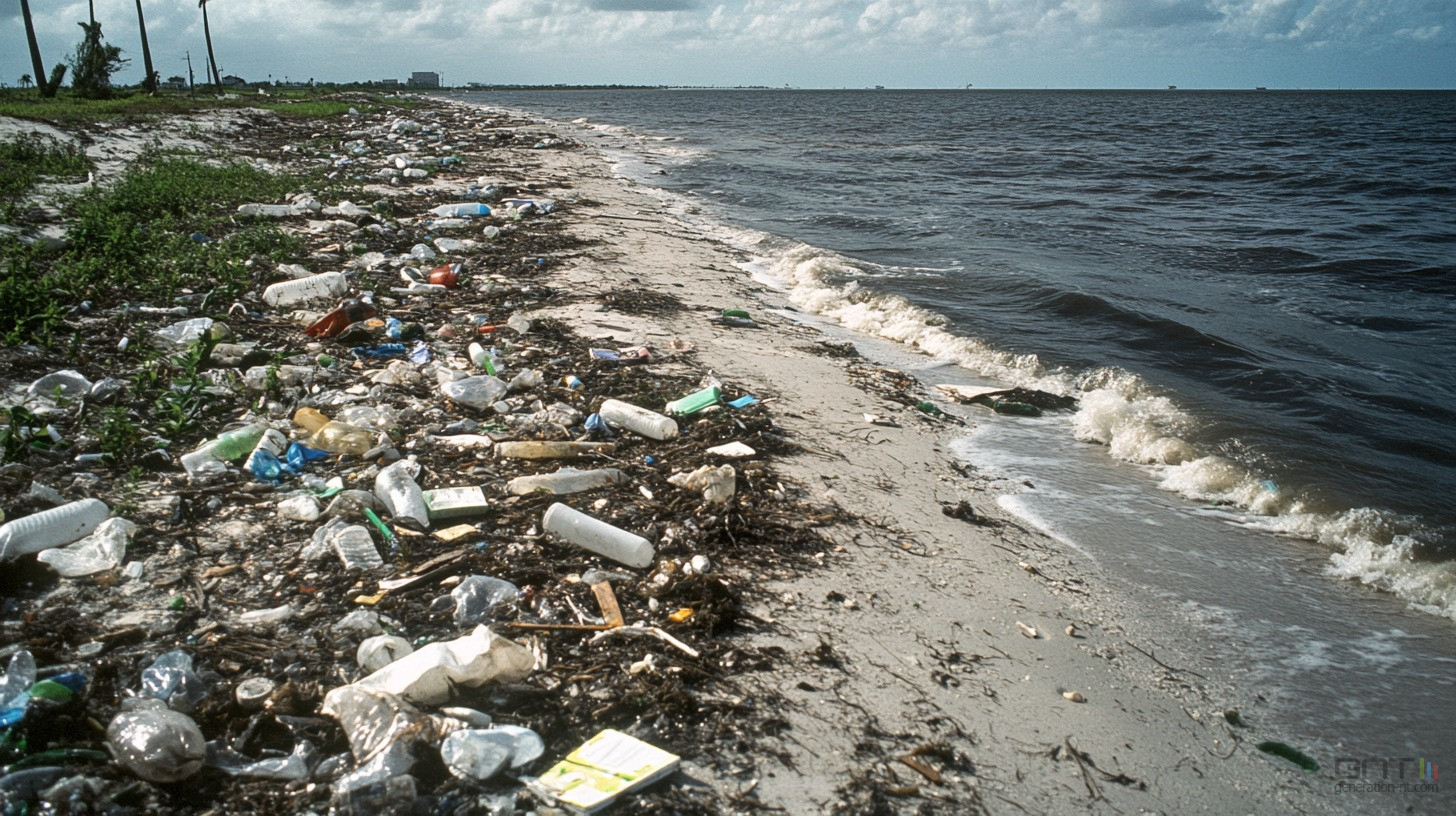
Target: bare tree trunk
point(150, 83)
point(46, 89)
point(211, 60)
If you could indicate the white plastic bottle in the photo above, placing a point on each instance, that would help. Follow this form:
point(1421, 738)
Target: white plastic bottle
point(323, 286)
point(51, 528)
point(598, 536)
point(638, 420)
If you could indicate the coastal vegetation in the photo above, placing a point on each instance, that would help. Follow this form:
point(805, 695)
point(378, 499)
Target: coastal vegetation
point(162, 230)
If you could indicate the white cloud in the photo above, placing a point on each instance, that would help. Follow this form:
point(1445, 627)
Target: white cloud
point(723, 41)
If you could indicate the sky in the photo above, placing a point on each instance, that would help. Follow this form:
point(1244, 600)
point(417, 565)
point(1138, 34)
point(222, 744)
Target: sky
point(799, 43)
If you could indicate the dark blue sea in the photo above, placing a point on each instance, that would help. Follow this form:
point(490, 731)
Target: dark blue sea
point(1251, 294)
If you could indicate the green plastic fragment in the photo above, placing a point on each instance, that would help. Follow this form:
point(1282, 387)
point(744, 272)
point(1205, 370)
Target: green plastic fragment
point(51, 692)
point(1292, 754)
point(379, 525)
point(177, 604)
point(736, 313)
point(1025, 409)
point(929, 408)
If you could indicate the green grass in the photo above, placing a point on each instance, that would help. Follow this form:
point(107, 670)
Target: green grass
point(26, 159)
point(65, 107)
point(133, 241)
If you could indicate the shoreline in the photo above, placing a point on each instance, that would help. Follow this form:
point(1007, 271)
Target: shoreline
point(936, 653)
point(907, 641)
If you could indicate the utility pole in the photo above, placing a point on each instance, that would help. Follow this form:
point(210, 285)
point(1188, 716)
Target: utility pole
point(191, 91)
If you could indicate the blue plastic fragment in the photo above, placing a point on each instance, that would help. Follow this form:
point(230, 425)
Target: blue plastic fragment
point(299, 455)
point(383, 351)
point(595, 424)
point(744, 401)
point(266, 467)
point(73, 680)
point(393, 328)
point(420, 353)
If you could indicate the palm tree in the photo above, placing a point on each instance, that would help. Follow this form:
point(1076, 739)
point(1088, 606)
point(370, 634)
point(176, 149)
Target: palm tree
point(150, 83)
point(26, 81)
point(211, 60)
point(46, 89)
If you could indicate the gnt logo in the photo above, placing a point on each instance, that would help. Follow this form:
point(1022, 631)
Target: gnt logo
point(1387, 775)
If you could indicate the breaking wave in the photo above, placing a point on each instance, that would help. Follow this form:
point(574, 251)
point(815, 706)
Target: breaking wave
point(1136, 422)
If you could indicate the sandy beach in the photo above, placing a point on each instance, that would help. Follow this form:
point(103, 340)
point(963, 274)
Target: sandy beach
point(910, 636)
point(936, 656)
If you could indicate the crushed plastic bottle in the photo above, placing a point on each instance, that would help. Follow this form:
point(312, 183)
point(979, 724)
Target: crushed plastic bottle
point(69, 384)
point(225, 447)
point(396, 489)
point(343, 439)
point(717, 484)
point(479, 392)
point(431, 674)
point(379, 651)
point(103, 550)
point(465, 210)
point(156, 743)
point(548, 449)
point(15, 687)
point(186, 332)
point(170, 679)
point(478, 597)
point(565, 480)
point(51, 528)
point(355, 547)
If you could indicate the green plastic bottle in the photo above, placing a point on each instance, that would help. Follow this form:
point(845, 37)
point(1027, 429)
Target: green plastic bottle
point(237, 443)
point(695, 402)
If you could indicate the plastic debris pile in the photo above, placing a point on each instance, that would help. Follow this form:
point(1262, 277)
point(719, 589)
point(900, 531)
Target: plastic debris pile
point(412, 544)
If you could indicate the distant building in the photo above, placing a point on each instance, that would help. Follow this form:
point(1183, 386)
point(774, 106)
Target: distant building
point(424, 79)
point(231, 81)
point(389, 83)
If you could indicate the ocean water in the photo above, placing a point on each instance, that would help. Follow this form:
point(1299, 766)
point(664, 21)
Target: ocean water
point(1252, 295)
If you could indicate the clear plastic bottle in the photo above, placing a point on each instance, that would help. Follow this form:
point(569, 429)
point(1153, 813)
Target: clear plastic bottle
point(309, 419)
point(481, 391)
point(226, 447)
point(323, 286)
point(355, 547)
point(343, 439)
point(565, 480)
point(156, 743)
point(542, 449)
point(638, 420)
point(395, 486)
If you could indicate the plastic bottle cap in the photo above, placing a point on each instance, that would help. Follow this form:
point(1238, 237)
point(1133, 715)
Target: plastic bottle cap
point(251, 693)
